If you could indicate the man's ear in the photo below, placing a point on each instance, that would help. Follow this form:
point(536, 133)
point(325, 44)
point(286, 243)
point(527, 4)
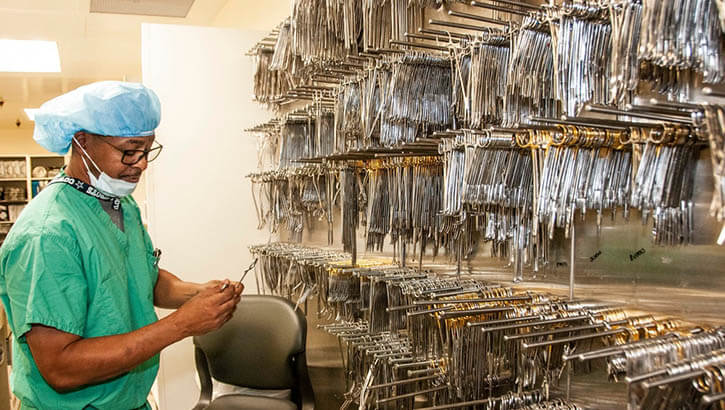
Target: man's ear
point(81, 138)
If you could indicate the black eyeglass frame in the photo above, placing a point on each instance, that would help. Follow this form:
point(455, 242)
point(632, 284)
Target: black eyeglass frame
point(143, 153)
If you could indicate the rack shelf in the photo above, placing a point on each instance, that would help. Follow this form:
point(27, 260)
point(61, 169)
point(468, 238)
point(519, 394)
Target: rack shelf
point(32, 185)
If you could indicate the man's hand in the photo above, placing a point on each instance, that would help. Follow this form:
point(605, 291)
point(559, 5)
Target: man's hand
point(171, 292)
point(209, 309)
point(212, 284)
point(238, 287)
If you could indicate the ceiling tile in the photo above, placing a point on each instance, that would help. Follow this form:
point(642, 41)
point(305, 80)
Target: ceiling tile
point(162, 8)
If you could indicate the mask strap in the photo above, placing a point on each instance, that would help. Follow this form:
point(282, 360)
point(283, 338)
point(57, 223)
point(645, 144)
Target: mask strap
point(100, 171)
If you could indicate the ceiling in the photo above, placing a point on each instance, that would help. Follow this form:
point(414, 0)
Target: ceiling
point(92, 47)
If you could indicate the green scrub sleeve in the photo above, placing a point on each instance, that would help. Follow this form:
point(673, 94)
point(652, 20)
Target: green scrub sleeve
point(48, 285)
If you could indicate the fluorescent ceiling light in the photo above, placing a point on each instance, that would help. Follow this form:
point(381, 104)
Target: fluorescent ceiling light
point(29, 56)
point(30, 112)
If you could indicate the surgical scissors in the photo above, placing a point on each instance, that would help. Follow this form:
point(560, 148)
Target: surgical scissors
point(251, 266)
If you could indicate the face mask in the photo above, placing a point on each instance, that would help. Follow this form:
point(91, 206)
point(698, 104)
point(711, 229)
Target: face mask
point(104, 183)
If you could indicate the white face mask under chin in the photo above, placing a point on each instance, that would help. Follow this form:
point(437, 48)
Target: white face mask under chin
point(104, 183)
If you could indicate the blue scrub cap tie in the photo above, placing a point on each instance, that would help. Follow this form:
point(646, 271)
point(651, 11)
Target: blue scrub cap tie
point(113, 108)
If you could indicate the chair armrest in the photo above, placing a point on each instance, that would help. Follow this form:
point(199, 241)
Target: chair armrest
point(307, 394)
point(202, 370)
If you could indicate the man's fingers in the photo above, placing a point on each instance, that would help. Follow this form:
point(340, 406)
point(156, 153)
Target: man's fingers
point(217, 297)
point(225, 284)
point(229, 304)
point(227, 292)
point(225, 318)
point(209, 290)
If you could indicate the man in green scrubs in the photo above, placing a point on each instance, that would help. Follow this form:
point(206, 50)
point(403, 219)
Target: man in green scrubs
point(78, 272)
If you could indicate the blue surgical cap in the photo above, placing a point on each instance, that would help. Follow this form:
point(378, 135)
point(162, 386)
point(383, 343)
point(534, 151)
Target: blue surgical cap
point(112, 108)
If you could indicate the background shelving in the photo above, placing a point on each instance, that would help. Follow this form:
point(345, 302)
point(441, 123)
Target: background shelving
point(18, 184)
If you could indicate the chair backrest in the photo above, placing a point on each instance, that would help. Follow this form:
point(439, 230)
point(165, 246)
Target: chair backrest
point(258, 347)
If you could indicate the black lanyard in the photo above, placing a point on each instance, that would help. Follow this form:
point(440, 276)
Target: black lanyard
point(88, 190)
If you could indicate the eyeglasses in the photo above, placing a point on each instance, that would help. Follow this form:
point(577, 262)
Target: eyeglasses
point(133, 156)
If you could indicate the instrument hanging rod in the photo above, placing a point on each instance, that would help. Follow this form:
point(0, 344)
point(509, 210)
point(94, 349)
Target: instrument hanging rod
point(340, 71)
point(675, 105)
point(446, 34)
point(405, 381)
point(390, 51)
point(709, 91)
point(361, 59)
point(456, 313)
point(477, 18)
point(570, 329)
point(326, 81)
point(712, 398)
point(673, 379)
point(459, 25)
point(578, 122)
point(413, 365)
point(658, 109)
point(615, 123)
point(657, 117)
point(490, 401)
point(413, 394)
point(480, 300)
point(430, 38)
point(419, 303)
point(538, 323)
point(581, 337)
point(518, 4)
point(560, 330)
point(419, 45)
point(613, 350)
point(504, 321)
point(499, 8)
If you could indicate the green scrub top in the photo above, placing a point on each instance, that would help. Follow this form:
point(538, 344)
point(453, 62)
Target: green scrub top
point(65, 264)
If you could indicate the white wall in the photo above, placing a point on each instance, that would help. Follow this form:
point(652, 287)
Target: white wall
point(200, 207)
point(20, 142)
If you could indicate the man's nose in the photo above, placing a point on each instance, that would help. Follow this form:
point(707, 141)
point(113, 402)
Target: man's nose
point(143, 163)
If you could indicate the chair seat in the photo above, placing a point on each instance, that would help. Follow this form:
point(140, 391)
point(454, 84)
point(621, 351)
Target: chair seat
point(243, 402)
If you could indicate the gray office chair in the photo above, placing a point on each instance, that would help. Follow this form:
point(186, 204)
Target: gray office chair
point(261, 347)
